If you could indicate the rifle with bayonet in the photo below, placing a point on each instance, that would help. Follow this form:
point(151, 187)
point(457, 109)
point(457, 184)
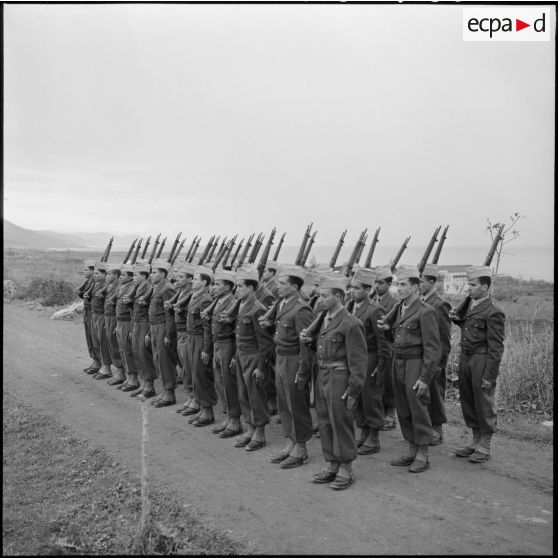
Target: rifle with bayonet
point(107, 250)
point(212, 249)
point(302, 248)
point(173, 248)
point(160, 251)
point(195, 249)
point(129, 253)
point(368, 260)
point(278, 249)
point(245, 251)
point(136, 252)
point(147, 242)
point(177, 251)
point(428, 250)
point(206, 250)
point(154, 249)
point(221, 254)
point(229, 250)
point(257, 245)
point(238, 248)
point(438, 251)
point(189, 251)
point(265, 254)
point(308, 248)
point(335, 255)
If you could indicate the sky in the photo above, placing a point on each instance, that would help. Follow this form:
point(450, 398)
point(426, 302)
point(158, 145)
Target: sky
point(135, 119)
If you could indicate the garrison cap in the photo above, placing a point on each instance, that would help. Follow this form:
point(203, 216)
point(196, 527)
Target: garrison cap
point(127, 268)
point(383, 272)
point(160, 263)
point(224, 275)
point(476, 271)
point(186, 267)
point(407, 272)
point(114, 266)
point(333, 281)
point(101, 266)
point(431, 270)
point(247, 273)
point(365, 276)
point(89, 263)
point(143, 266)
point(202, 269)
point(272, 265)
point(292, 270)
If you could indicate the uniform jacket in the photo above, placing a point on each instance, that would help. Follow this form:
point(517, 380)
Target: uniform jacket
point(369, 313)
point(251, 338)
point(295, 316)
point(387, 301)
point(416, 335)
point(343, 340)
point(222, 331)
point(271, 286)
point(162, 292)
point(264, 296)
point(110, 298)
point(180, 302)
point(483, 332)
point(140, 312)
point(124, 311)
point(444, 324)
point(97, 297)
point(85, 287)
point(195, 324)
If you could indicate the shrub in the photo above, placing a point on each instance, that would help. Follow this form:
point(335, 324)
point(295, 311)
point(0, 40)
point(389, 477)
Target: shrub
point(49, 292)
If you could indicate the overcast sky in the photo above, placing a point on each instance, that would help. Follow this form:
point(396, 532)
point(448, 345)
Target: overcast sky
point(214, 118)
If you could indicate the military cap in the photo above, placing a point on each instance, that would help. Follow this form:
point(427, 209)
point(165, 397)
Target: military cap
point(224, 275)
point(202, 269)
point(101, 266)
point(89, 263)
point(407, 272)
point(476, 271)
point(431, 270)
point(160, 263)
point(333, 281)
point(247, 273)
point(272, 265)
point(292, 270)
point(129, 268)
point(143, 266)
point(113, 266)
point(186, 267)
point(383, 272)
point(365, 276)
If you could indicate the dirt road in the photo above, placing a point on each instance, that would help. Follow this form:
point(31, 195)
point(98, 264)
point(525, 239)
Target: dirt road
point(503, 507)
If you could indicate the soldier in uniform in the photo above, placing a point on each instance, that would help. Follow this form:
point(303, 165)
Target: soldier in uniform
point(438, 385)
point(124, 324)
point(290, 316)
point(88, 269)
point(387, 301)
point(482, 326)
point(113, 282)
point(161, 326)
point(99, 336)
point(269, 279)
point(342, 360)
point(369, 412)
point(254, 353)
point(417, 352)
point(200, 350)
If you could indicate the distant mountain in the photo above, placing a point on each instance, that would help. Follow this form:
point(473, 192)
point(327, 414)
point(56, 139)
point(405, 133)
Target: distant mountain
point(18, 237)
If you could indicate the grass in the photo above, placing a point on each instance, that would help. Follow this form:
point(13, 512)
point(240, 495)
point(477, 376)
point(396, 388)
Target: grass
point(63, 497)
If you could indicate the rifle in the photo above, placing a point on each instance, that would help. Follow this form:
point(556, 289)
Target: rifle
point(206, 250)
point(177, 251)
point(245, 251)
point(174, 245)
point(145, 247)
point(265, 253)
point(237, 252)
point(353, 257)
point(302, 248)
point(221, 254)
point(440, 245)
point(399, 254)
point(159, 252)
point(368, 260)
point(308, 248)
point(278, 249)
point(229, 249)
point(257, 245)
point(154, 249)
point(212, 249)
point(196, 246)
point(129, 253)
point(190, 249)
point(462, 308)
point(135, 257)
point(428, 250)
point(107, 250)
point(361, 248)
point(340, 243)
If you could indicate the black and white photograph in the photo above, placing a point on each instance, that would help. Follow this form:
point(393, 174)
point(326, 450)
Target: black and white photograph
point(278, 278)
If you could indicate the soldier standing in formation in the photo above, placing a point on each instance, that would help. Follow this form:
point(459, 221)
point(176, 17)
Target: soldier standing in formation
point(99, 336)
point(482, 326)
point(88, 269)
point(124, 324)
point(113, 282)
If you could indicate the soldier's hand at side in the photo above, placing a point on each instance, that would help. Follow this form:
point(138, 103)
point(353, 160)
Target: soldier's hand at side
point(130, 336)
point(300, 382)
point(486, 385)
point(304, 337)
point(452, 315)
point(350, 400)
point(421, 388)
point(382, 324)
point(166, 342)
point(232, 365)
point(259, 376)
point(147, 341)
point(264, 323)
point(205, 357)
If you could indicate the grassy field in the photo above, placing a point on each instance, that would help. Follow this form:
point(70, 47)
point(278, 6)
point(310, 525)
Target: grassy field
point(60, 496)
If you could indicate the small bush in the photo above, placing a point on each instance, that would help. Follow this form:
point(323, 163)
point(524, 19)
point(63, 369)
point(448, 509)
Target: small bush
point(49, 292)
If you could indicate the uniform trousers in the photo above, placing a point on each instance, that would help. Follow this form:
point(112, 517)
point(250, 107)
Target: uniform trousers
point(225, 379)
point(294, 409)
point(437, 407)
point(477, 405)
point(202, 374)
point(143, 359)
point(252, 396)
point(88, 334)
point(99, 337)
point(335, 421)
point(412, 411)
point(114, 349)
point(388, 397)
point(123, 330)
point(183, 357)
point(162, 358)
point(369, 411)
